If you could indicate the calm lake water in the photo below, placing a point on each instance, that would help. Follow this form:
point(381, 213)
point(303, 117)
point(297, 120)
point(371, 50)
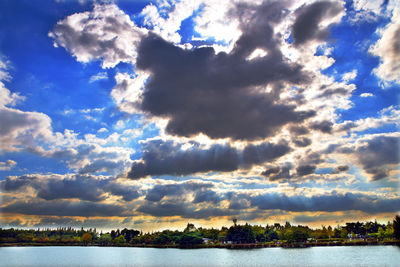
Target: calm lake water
point(115, 256)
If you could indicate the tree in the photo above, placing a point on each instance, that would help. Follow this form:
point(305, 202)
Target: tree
point(389, 231)
point(396, 227)
point(129, 234)
point(189, 228)
point(120, 240)
point(289, 235)
point(271, 235)
point(190, 239)
point(86, 238)
point(381, 233)
point(105, 239)
point(343, 233)
point(241, 234)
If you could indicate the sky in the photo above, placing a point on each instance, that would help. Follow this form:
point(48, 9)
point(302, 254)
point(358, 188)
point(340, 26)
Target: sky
point(153, 114)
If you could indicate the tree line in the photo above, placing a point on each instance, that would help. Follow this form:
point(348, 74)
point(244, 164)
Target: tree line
point(192, 236)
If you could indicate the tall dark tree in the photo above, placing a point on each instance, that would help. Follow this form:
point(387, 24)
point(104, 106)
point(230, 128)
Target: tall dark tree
point(396, 227)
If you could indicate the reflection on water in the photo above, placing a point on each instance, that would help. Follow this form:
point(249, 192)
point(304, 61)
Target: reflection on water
point(115, 256)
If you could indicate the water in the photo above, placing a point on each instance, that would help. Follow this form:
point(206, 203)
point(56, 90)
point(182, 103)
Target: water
point(119, 256)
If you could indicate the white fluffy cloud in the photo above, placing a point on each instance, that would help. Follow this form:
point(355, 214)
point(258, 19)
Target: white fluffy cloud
point(19, 129)
point(388, 50)
point(7, 165)
point(106, 33)
point(128, 90)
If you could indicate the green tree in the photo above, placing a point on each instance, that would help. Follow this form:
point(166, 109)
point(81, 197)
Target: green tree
point(190, 239)
point(241, 234)
point(105, 239)
point(389, 231)
point(396, 227)
point(119, 240)
point(190, 228)
point(381, 233)
point(343, 233)
point(289, 235)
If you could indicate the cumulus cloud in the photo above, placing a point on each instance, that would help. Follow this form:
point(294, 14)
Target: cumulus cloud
point(387, 116)
point(328, 202)
point(21, 129)
point(387, 48)
point(106, 33)
point(7, 165)
point(169, 158)
point(64, 208)
point(323, 126)
point(197, 92)
point(58, 187)
point(302, 141)
point(158, 192)
point(367, 95)
point(279, 172)
point(309, 17)
point(183, 210)
point(305, 170)
point(168, 27)
point(340, 168)
point(81, 187)
point(379, 155)
point(89, 157)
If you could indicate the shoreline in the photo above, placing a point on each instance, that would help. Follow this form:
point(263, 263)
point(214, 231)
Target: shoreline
point(226, 246)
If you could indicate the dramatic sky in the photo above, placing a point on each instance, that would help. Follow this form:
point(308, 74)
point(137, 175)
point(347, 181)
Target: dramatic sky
point(153, 114)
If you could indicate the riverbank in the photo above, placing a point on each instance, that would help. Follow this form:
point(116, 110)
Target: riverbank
point(227, 246)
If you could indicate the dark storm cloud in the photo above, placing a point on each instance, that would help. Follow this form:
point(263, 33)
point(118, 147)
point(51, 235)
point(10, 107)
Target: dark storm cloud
point(271, 171)
point(100, 165)
point(64, 208)
point(279, 173)
point(161, 158)
point(158, 192)
point(306, 26)
point(302, 141)
point(257, 154)
point(215, 94)
point(57, 222)
point(242, 202)
point(330, 202)
point(100, 160)
point(298, 130)
point(340, 168)
point(345, 126)
point(317, 218)
point(167, 158)
point(183, 209)
point(379, 155)
point(12, 184)
point(83, 187)
point(396, 41)
point(311, 158)
point(337, 91)
point(128, 193)
point(206, 196)
point(323, 126)
point(305, 169)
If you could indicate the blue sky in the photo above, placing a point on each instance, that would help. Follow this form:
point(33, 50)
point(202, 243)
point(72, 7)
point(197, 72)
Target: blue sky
point(147, 114)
